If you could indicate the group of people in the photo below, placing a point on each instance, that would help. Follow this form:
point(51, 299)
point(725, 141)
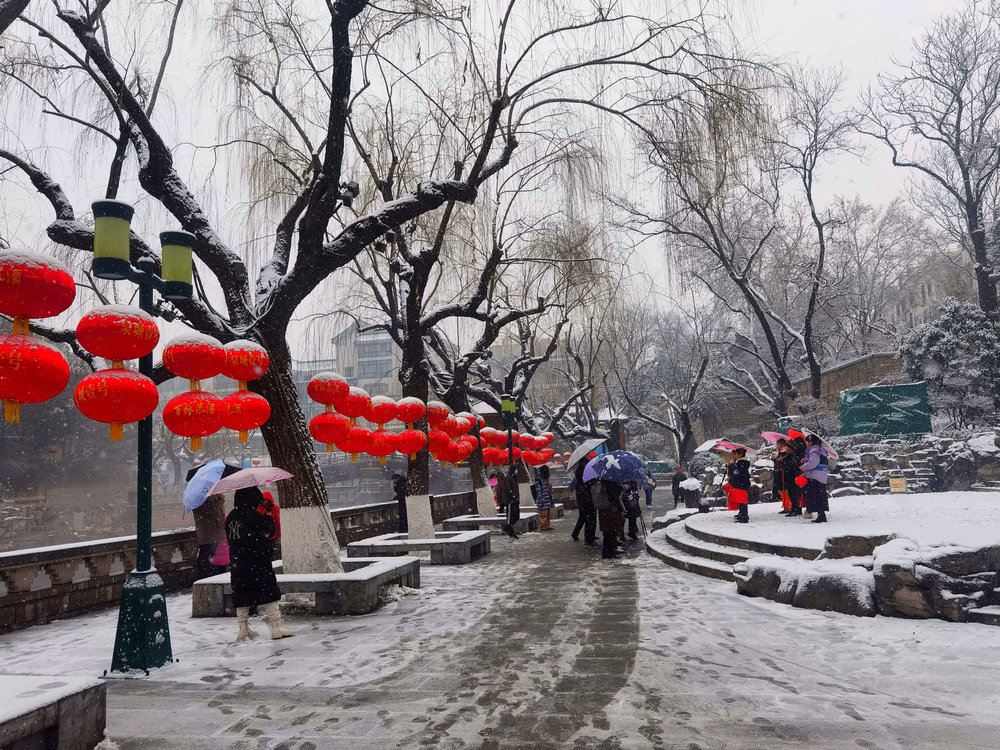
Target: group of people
point(245, 542)
point(608, 506)
point(801, 469)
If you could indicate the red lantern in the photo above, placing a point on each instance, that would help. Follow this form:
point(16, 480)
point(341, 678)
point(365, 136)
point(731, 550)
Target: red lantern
point(410, 442)
point(118, 332)
point(383, 442)
point(355, 441)
point(195, 414)
point(489, 436)
point(449, 425)
point(436, 413)
point(31, 371)
point(355, 404)
point(410, 410)
point(493, 456)
point(515, 438)
point(245, 361)
point(194, 357)
point(530, 457)
point(461, 450)
point(549, 438)
point(33, 286)
point(548, 454)
point(245, 411)
point(801, 481)
point(116, 397)
point(327, 388)
point(436, 441)
point(381, 410)
point(329, 428)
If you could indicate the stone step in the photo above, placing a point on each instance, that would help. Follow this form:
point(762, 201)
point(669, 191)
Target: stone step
point(678, 536)
point(763, 548)
point(985, 615)
point(659, 548)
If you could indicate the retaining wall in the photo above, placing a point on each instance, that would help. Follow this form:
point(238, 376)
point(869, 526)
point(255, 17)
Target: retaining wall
point(41, 584)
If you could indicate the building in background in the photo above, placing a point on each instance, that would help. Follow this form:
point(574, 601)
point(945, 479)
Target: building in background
point(928, 285)
point(369, 360)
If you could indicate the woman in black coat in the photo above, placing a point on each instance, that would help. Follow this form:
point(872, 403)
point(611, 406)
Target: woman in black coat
point(249, 529)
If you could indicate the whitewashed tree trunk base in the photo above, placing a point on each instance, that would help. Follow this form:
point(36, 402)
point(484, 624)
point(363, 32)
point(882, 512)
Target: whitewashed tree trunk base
point(308, 541)
point(524, 490)
point(418, 517)
point(485, 505)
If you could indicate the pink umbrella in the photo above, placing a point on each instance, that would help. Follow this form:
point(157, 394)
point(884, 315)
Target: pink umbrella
point(774, 437)
point(248, 478)
point(730, 446)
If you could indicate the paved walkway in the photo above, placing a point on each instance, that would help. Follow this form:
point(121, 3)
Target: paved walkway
point(544, 645)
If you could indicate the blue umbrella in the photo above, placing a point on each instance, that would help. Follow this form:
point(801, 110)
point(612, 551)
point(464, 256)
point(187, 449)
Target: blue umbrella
point(618, 466)
point(196, 492)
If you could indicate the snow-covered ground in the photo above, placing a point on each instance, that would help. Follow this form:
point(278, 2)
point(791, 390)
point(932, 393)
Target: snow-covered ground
point(965, 518)
point(543, 645)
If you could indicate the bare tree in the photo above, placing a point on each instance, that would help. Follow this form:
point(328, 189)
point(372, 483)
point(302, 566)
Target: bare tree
point(940, 116)
point(296, 92)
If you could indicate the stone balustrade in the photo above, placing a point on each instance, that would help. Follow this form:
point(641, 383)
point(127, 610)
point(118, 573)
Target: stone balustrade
point(39, 585)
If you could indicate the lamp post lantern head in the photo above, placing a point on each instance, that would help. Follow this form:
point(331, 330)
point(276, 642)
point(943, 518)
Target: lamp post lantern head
point(508, 408)
point(176, 264)
point(111, 239)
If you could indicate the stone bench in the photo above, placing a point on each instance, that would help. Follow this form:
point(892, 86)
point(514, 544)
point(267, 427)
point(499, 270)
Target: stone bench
point(46, 711)
point(558, 510)
point(527, 522)
point(446, 548)
point(353, 592)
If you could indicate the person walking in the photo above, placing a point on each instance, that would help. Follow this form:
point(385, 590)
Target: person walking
point(399, 490)
point(648, 486)
point(815, 468)
point(675, 484)
point(738, 476)
point(587, 519)
point(250, 530)
point(542, 492)
point(509, 497)
point(630, 501)
point(209, 530)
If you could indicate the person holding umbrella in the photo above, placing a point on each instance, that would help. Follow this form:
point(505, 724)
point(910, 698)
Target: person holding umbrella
point(815, 469)
point(208, 511)
point(587, 519)
point(250, 530)
point(738, 477)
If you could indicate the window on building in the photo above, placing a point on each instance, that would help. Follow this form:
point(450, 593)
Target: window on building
point(348, 372)
point(374, 349)
point(377, 389)
point(374, 368)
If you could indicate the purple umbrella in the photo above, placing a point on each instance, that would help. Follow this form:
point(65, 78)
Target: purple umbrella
point(248, 478)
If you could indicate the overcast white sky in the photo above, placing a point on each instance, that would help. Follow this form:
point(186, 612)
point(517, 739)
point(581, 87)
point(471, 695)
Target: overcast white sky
point(862, 36)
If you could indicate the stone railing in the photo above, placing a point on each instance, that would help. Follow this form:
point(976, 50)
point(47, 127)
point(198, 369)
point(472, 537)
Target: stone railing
point(39, 585)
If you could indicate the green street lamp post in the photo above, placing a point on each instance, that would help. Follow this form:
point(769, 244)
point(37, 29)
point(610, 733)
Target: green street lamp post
point(142, 640)
point(508, 409)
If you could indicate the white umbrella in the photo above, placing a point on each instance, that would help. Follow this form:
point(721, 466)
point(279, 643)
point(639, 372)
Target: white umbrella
point(580, 453)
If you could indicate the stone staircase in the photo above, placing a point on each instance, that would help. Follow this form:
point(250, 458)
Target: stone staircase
point(713, 555)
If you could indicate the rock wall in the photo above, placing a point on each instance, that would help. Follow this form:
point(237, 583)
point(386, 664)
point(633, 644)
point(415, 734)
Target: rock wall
point(879, 575)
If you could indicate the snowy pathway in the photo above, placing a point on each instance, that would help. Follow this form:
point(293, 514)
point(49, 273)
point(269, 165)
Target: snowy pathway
point(541, 645)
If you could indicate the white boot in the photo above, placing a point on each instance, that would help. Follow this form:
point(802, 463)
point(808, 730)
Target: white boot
point(243, 621)
point(278, 629)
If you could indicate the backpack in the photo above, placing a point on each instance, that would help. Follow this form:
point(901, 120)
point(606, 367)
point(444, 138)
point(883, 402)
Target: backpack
point(599, 496)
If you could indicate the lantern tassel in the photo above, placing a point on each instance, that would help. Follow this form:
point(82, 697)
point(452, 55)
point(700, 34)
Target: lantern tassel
point(196, 443)
point(244, 436)
point(11, 411)
point(413, 456)
point(21, 326)
point(381, 460)
point(328, 408)
point(194, 385)
point(116, 431)
point(329, 447)
point(242, 385)
point(354, 457)
point(118, 364)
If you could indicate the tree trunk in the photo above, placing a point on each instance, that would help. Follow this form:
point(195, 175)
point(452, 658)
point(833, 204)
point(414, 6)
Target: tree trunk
point(413, 379)
point(309, 542)
point(985, 286)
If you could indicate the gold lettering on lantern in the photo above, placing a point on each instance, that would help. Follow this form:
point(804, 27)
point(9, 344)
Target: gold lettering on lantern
point(11, 276)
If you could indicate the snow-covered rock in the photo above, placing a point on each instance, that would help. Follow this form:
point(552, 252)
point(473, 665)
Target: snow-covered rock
point(828, 585)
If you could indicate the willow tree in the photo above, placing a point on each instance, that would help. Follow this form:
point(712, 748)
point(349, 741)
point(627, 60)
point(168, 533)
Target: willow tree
point(292, 80)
